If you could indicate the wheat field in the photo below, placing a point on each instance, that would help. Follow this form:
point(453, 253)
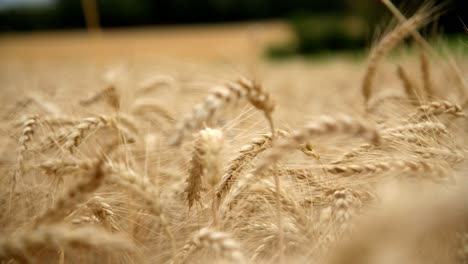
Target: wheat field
point(134, 159)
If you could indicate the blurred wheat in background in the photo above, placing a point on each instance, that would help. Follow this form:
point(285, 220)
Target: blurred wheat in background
point(117, 151)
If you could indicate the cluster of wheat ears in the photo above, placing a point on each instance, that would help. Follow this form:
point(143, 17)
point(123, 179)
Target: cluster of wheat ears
point(136, 184)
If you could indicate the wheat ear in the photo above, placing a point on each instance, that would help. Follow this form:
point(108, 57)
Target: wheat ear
point(220, 242)
point(376, 167)
point(383, 48)
point(103, 212)
point(260, 99)
point(325, 125)
point(82, 129)
point(27, 132)
point(437, 108)
point(61, 167)
point(21, 246)
point(72, 197)
point(109, 93)
point(205, 166)
point(227, 94)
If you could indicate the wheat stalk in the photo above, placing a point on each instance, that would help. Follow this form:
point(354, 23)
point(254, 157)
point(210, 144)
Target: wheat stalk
point(143, 107)
point(383, 48)
point(426, 75)
point(412, 91)
point(142, 187)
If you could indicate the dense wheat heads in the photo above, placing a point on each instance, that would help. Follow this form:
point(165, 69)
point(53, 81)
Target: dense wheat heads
point(227, 94)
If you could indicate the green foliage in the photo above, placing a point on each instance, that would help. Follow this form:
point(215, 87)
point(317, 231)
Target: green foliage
point(328, 33)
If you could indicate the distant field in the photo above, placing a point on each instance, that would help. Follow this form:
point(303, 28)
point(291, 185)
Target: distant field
point(226, 41)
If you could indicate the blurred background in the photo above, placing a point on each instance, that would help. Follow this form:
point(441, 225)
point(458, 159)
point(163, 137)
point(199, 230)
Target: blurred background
point(288, 27)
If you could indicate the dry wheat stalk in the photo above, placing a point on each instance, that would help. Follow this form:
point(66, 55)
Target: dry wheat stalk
point(426, 75)
point(109, 93)
point(437, 108)
point(153, 83)
point(127, 121)
point(121, 175)
point(72, 197)
point(387, 95)
point(142, 187)
point(227, 94)
point(412, 91)
point(143, 107)
point(22, 246)
point(385, 45)
point(246, 153)
point(221, 243)
point(325, 125)
point(249, 152)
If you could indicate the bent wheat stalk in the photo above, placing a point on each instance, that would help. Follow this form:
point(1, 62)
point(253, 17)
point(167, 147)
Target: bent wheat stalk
point(383, 48)
point(227, 94)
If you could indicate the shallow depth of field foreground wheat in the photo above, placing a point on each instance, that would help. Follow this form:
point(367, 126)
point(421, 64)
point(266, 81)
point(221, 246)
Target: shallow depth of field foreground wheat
point(159, 161)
